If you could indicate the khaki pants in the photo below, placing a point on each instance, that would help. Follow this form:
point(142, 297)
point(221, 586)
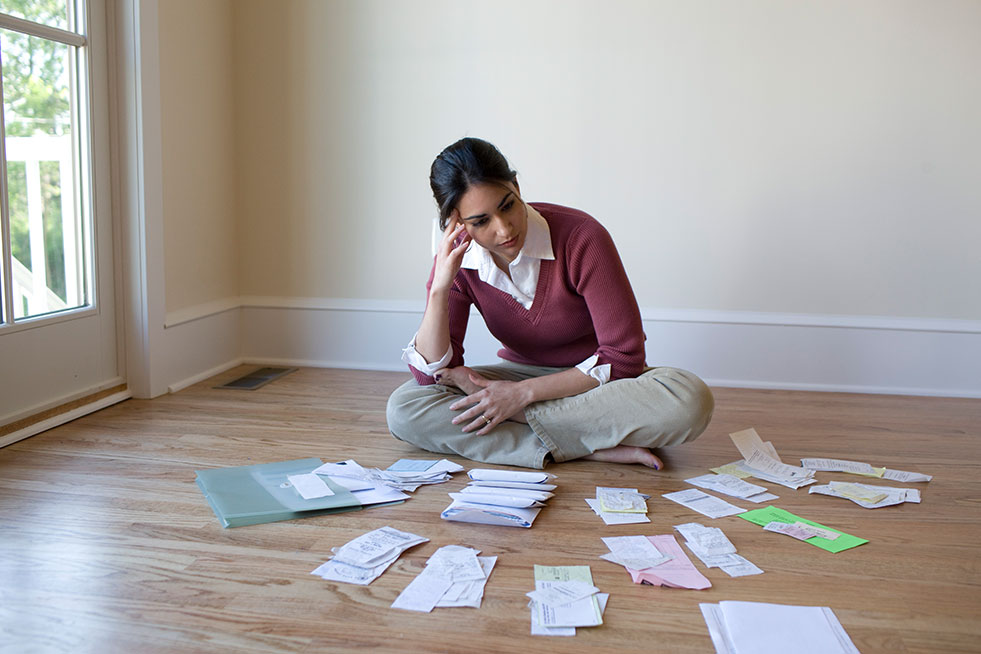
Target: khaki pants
point(660, 408)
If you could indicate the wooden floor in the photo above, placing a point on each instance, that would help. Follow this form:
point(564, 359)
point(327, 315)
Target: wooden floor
point(107, 545)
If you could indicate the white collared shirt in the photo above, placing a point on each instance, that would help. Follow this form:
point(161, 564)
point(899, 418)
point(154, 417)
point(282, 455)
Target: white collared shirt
point(521, 286)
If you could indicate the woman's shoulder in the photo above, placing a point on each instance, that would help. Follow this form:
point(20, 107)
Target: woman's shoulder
point(568, 221)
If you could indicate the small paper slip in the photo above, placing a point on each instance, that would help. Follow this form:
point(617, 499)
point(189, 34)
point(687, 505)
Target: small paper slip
point(584, 612)
point(905, 477)
point(740, 567)
point(703, 503)
point(762, 461)
point(729, 485)
point(887, 495)
point(710, 541)
point(616, 518)
point(634, 552)
point(310, 486)
point(558, 593)
point(423, 593)
point(468, 593)
point(748, 441)
point(838, 465)
point(858, 492)
point(758, 628)
point(770, 514)
point(798, 530)
point(736, 469)
point(621, 500)
point(413, 465)
point(538, 630)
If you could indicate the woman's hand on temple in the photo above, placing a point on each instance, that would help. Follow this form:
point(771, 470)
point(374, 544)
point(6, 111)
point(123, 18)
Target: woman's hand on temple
point(492, 404)
point(449, 254)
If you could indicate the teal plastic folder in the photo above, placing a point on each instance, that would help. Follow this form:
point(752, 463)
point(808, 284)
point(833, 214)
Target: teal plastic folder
point(251, 495)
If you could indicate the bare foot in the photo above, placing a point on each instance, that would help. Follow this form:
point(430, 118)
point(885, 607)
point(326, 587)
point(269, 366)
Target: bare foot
point(627, 454)
point(459, 377)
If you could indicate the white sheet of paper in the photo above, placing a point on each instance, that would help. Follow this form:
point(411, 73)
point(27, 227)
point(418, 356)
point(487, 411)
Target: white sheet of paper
point(456, 563)
point(635, 552)
point(483, 474)
point(423, 593)
point(776, 629)
point(581, 613)
point(310, 486)
point(468, 593)
point(563, 592)
point(349, 468)
point(837, 465)
point(707, 505)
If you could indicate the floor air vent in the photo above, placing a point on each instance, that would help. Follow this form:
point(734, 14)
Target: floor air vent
point(256, 379)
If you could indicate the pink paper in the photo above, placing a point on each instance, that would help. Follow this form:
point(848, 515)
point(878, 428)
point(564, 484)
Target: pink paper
point(679, 572)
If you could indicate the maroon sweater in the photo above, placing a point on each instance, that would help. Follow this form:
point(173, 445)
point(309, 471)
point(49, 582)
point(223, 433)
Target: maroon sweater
point(584, 304)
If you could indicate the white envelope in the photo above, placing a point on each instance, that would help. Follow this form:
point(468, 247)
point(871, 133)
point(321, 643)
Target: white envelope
point(489, 515)
point(497, 500)
point(484, 474)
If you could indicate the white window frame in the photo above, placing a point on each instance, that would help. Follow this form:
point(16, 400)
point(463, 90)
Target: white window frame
point(83, 182)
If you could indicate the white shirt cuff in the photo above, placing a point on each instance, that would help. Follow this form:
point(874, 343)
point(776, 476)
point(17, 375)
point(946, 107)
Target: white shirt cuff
point(599, 373)
point(412, 357)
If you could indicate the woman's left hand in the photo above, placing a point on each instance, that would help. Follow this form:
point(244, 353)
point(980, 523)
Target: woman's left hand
point(495, 402)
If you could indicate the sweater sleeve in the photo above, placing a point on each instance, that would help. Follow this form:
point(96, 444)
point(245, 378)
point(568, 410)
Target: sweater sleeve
point(599, 277)
point(459, 310)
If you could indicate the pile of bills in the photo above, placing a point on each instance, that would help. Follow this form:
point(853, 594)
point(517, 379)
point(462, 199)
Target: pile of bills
point(715, 550)
point(501, 497)
point(453, 576)
point(564, 598)
point(365, 558)
point(619, 506)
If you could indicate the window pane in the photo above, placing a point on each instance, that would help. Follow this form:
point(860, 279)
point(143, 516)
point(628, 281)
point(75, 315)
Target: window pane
point(53, 13)
point(46, 237)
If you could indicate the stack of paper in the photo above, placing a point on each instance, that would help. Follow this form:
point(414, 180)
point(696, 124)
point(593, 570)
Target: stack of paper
point(348, 474)
point(675, 570)
point(564, 598)
point(365, 558)
point(453, 576)
point(500, 497)
point(767, 515)
point(619, 506)
point(864, 469)
point(734, 487)
point(761, 460)
point(715, 550)
point(865, 495)
point(404, 475)
point(756, 628)
point(707, 505)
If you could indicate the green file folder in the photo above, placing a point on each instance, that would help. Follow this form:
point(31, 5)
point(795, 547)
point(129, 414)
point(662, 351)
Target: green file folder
point(251, 495)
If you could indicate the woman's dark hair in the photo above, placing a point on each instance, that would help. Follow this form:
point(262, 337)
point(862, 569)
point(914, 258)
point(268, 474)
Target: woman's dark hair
point(467, 162)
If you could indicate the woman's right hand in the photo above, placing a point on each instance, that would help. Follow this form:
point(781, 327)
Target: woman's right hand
point(449, 254)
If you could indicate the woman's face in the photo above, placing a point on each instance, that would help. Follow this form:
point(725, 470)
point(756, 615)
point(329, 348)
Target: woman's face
point(496, 218)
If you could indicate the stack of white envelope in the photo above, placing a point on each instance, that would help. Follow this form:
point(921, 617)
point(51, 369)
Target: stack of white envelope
point(501, 497)
point(365, 558)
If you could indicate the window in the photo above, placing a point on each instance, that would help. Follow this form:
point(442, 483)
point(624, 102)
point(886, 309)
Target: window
point(45, 213)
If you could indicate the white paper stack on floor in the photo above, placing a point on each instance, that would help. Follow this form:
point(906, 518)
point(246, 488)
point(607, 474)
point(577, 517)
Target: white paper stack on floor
point(757, 628)
point(734, 487)
point(353, 477)
point(500, 497)
point(454, 576)
point(365, 558)
point(761, 460)
point(619, 506)
point(564, 598)
point(864, 469)
point(868, 496)
point(715, 550)
point(404, 475)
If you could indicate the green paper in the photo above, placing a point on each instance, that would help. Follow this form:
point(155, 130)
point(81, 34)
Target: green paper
point(251, 495)
point(770, 514)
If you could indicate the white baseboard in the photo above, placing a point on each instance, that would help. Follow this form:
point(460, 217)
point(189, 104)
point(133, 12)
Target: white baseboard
point(855, 354)
point(63, 418)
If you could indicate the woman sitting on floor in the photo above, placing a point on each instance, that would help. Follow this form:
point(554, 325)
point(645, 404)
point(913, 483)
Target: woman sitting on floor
point(549, 283)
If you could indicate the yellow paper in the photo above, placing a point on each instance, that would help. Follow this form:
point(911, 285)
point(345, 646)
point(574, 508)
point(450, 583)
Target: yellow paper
point(731, 469)
point(858, 493)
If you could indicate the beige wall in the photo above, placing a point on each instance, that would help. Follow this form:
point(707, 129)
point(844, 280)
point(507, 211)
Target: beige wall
point(201, 252)
point(754, 155)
